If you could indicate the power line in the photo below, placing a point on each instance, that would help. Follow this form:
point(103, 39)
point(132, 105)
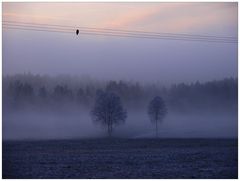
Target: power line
point(37, 30)
point(120, 33)
point(116, 35)
point(30, 25)
point(39, 27)
point(107, 33)
point(120, 30)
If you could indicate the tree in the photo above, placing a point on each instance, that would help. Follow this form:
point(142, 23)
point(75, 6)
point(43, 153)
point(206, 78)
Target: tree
point(108, 110)
point(42, 93)
point(157, 110)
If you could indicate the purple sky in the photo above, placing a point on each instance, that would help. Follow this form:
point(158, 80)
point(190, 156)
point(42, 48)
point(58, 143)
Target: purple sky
point(165, 61)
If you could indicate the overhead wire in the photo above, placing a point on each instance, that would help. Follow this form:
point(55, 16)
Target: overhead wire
point(97, 31)
point(120, 30)
point(117, 33)
point(29, 29)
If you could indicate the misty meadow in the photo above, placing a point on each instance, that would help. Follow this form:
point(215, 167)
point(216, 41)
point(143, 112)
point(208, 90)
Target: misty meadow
point(209, 107)
point(65, 108)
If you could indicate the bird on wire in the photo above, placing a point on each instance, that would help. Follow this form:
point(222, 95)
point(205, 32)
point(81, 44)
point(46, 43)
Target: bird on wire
point(117, 32)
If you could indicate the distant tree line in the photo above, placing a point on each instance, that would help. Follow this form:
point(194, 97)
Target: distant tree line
point(45, 92)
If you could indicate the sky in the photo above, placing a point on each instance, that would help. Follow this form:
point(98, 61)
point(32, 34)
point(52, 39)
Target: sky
point(165, 61)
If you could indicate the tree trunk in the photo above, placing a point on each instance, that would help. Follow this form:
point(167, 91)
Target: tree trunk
point(109, 131)
point(156, 129)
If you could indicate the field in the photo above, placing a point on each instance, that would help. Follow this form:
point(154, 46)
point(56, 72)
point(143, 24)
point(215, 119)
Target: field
point(121, 158)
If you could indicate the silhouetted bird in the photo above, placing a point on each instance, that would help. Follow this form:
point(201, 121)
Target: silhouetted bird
point(77, 31)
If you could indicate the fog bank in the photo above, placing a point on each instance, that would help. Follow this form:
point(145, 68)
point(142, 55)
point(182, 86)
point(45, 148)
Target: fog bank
point(30, 125)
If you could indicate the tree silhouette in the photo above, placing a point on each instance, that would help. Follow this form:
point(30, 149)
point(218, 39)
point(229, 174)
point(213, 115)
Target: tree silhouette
point(42, 93)
point(157, 110)
point(108, 110)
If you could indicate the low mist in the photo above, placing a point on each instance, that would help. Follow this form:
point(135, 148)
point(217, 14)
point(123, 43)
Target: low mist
point(28, 125)
point(41, 107)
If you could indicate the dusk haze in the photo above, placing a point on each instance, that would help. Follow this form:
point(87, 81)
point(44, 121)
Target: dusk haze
point(120, 90)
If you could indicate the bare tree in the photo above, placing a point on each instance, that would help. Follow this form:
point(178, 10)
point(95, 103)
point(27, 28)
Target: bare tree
point(157, 110)
point(108, 110)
